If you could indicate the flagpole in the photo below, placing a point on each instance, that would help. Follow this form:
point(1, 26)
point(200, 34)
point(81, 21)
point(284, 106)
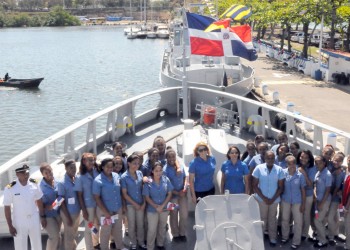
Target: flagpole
point(184, 81)
point(320, 45)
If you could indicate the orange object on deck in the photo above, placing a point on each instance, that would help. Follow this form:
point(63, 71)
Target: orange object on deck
point(209, 115)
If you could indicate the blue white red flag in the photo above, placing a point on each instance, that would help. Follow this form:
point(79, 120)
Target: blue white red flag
point(227, 42)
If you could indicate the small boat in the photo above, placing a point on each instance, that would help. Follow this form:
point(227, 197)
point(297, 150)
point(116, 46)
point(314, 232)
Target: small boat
point(141, 34)
point(151, 34)
point(131, 35)
point(22, 83)
point(163, 31)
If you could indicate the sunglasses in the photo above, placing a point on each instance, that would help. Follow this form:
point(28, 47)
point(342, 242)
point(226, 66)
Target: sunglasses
point(202, 149)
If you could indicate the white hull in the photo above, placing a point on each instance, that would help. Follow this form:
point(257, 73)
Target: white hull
point(132, 35)
point(151, 35)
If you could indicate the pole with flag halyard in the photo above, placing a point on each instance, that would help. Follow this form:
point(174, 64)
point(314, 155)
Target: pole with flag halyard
point(184, 80)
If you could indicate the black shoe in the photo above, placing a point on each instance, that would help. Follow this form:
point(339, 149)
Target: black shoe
point(332, 242)
point(176, 238)
point(273, 243)
point(97, 246)
point(160, 247)
point(143, 247)
point(112, 245)
point(303, 238)
point(183, 238)
point(320, 245)
point(126, 234)
point(312, 239)
point(284, 241)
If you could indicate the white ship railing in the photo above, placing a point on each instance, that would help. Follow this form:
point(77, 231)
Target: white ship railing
point(111, 123)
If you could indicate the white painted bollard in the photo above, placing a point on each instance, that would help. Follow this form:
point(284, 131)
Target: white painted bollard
point(265, 89)
point(257, 82)
point(276, 97)
point(290, 107)
point(188, 124)
point(332, 139)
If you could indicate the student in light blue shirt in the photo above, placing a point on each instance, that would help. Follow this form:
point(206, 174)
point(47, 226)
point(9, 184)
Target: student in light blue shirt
point(107, 193)
point(177, 176)
point(322, 191)
point(280, 158)
point(305, 162)
point(268, 182)
point(131, 182)
point(293, 202)
point(157, 194)
point(249, 153)
point(201, 172)
point(263, 147)
point(153, 157)
point(281, 138)
point(70, 208)
point(328, 153)
point(83, 187)
point(48, 186)
point(160, 144)
point(235, 173)
point(338, 176)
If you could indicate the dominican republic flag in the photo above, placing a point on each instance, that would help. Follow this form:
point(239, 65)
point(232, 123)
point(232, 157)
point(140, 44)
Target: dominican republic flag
point(224, 42)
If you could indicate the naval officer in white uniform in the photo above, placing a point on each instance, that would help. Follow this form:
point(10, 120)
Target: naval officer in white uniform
point(25, 196)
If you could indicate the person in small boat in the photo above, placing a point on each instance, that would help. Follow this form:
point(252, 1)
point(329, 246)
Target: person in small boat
point(153, 157)
point(201, 172)
point(7, 77)
point(131, 182)
point(293, 202)
point(282, 151)
point(338, 178)
point(24, 219)
point(346, 204)
point(177, 176)
point(70, 208)
point(83, 187)
point(157, 194)
point(235, 173)
point(107, 193)
point(49, 188)
point(160, 144)
point(322, 191)
point(305, 162)
point(268, 183)
point(249, 153)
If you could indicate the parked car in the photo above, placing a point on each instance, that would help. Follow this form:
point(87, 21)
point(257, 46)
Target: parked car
point(296, 36)
point(340, 44)
point(327, 41)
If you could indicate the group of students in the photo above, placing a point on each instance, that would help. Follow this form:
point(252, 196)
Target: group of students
point(119, 190)
point(291, 186)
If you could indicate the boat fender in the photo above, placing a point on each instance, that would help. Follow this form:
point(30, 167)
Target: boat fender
point(162, 113)
point(124, 126)
point(256, 123)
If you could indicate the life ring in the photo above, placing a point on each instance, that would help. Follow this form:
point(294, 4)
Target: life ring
point(162, 113)
point(122, 127)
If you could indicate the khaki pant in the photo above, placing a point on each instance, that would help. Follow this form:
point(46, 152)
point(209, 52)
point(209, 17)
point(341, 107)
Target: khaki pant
point(53, 228)
point(347, 229)
point(178, 226)
point(91, 240)
point(70, 232)
point(319, 224)
point(268, 215)
point(156, 228)
point(308, 218)
point(136, 225)
point(115, 230)
point(287, 209)
point(333, 220)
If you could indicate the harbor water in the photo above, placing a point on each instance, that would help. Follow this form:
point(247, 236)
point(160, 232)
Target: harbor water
point(86, 69)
